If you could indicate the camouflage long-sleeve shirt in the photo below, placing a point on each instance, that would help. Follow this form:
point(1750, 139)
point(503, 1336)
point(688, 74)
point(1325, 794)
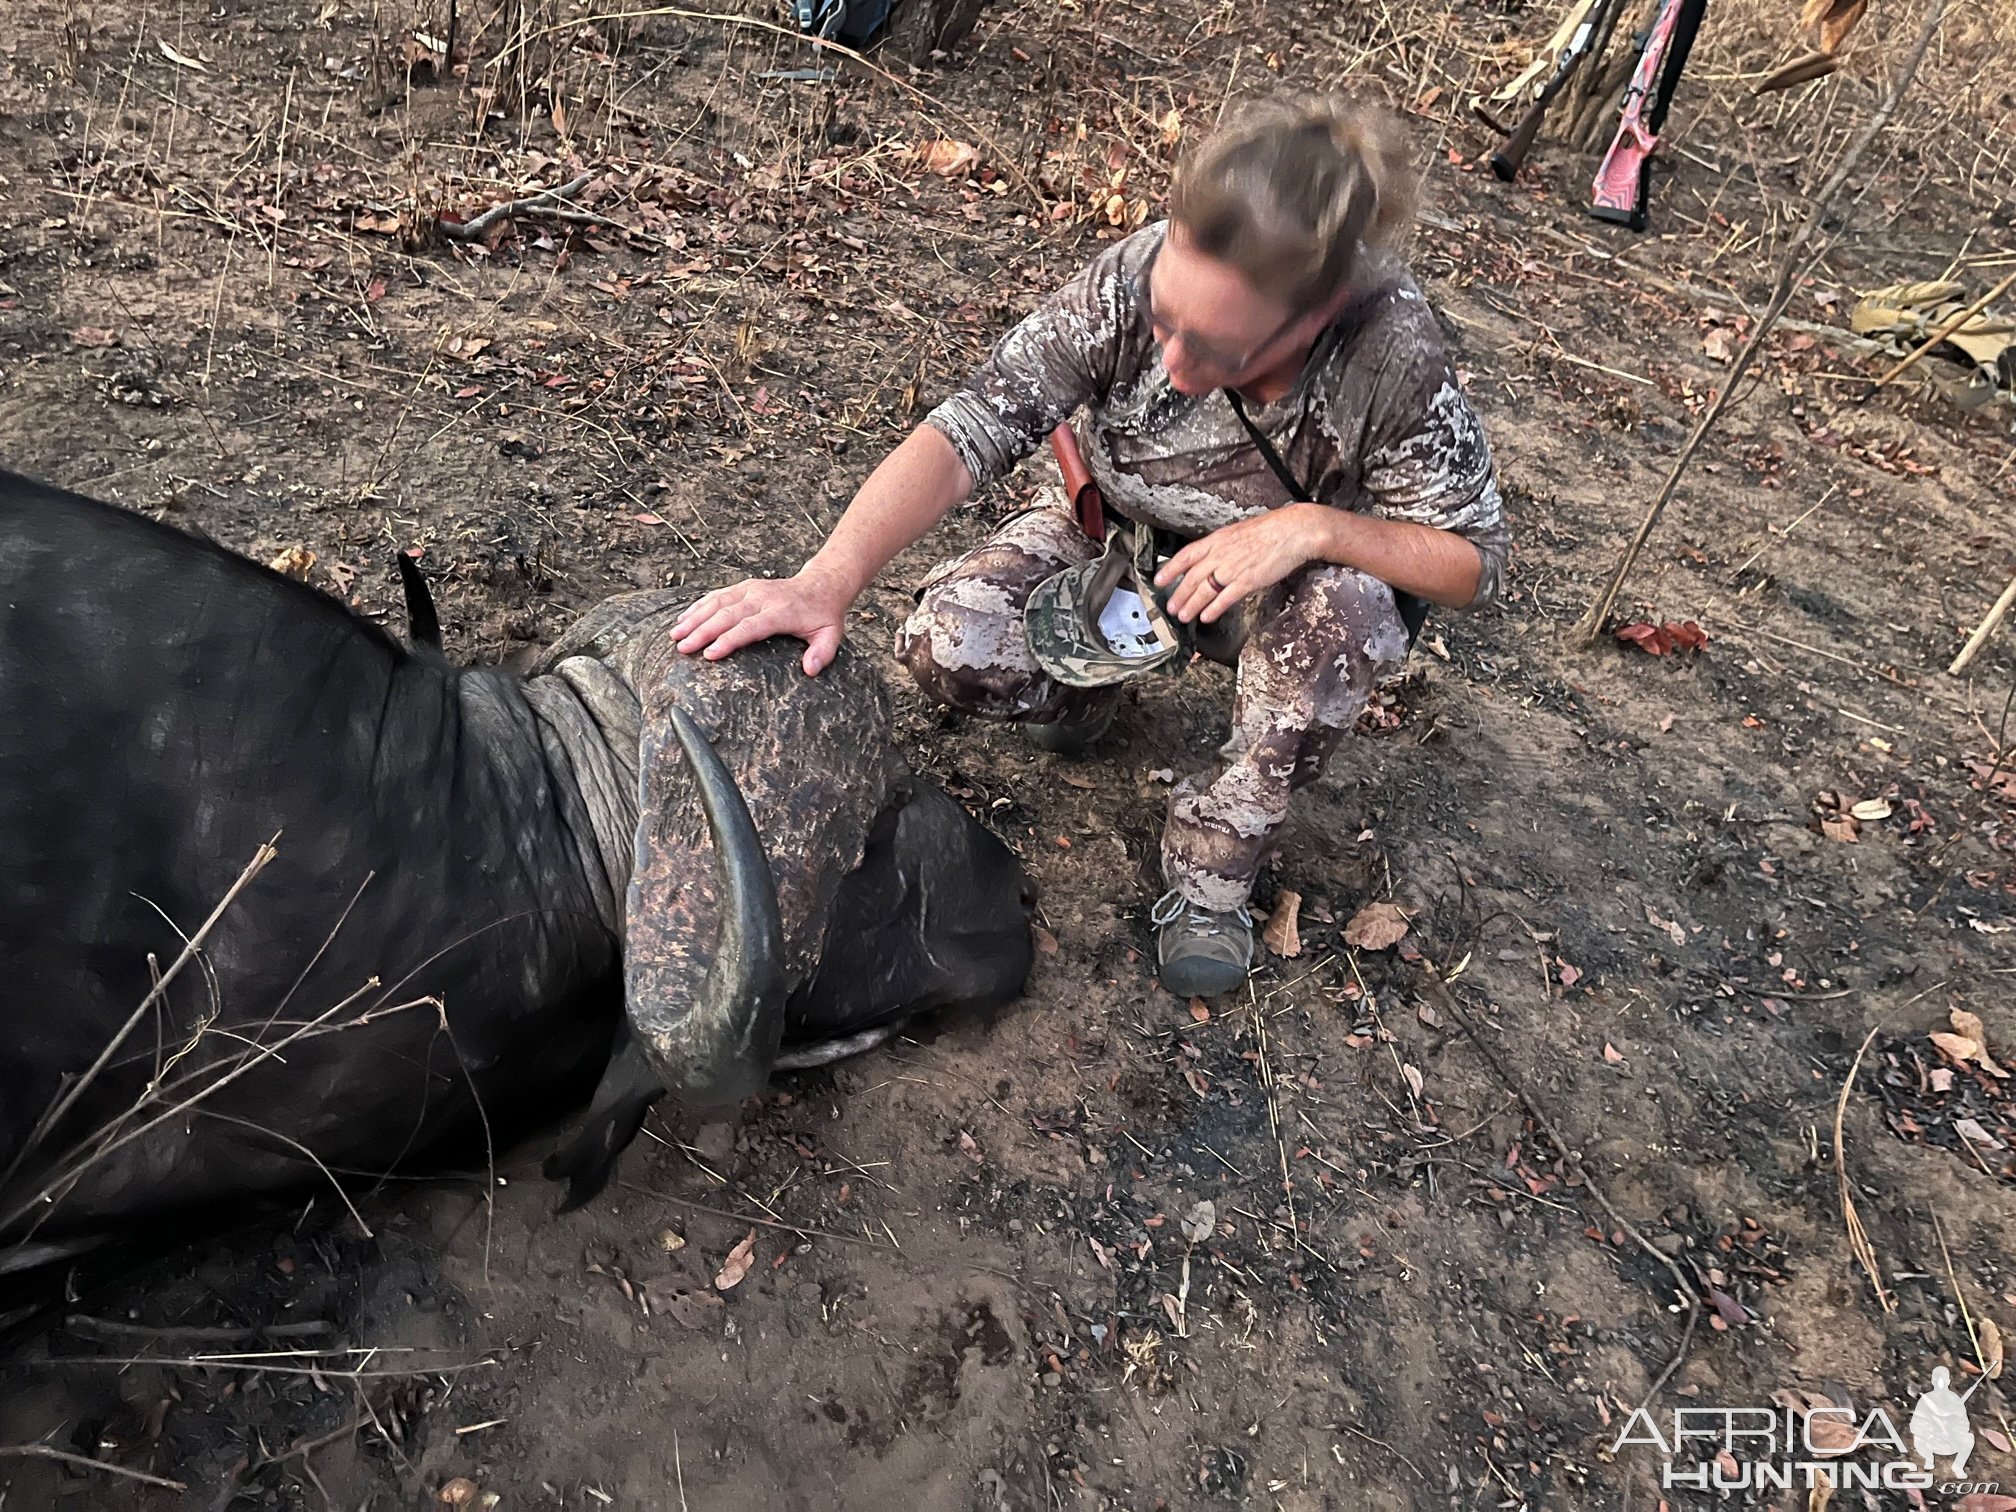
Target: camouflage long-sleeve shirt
point(1375, 423)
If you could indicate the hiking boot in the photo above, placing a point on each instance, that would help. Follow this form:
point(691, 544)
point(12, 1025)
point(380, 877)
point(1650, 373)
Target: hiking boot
point(1200, 952)
point(1074, 737)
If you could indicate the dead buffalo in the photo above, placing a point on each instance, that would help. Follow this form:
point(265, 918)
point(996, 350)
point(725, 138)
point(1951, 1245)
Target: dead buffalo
point(485, 893)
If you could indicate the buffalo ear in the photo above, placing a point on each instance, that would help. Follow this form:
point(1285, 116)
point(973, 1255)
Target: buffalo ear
point(628, 1089)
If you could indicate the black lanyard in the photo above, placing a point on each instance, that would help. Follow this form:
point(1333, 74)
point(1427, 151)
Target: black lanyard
point(1413, 611)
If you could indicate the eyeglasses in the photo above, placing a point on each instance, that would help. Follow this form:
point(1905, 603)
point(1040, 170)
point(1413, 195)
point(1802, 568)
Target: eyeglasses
point(1203, 353)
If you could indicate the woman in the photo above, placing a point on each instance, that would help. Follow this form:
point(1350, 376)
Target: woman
point(1265, 386)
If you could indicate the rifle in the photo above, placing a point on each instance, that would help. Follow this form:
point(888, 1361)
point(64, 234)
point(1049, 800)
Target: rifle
point(1624, 181)
point(1590, 37)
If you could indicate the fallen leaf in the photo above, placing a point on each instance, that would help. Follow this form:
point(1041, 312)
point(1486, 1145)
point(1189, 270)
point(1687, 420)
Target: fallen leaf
point(1991, 1348)
point(1841, 827)
point(295, 562)
point(1201, 1222)
point(1728, 1308)
point(736, 1266)
point(2004, 776)
point(671, 1241)
point(948, 158)
point(1570, 975)
point(1871, 810)
point(1974, 1134)
point(1971, 1026)
point(1646, 637)
point(1612, 1054)
point(1413, 1078)
point(458, 1492)
point(1281, 936)
point(1961, 1047)
point(1685, 635)
point(1199, 1012)
point(969, 1148)
point(1985, 1501)
point(688, 1308)
point(1997, 1440)
point(1672, 926)
point(1046, 942)
point(1376, 926)
point(1833, 19)
point(1720, 344)
point(94, 336)
point(1832, 1435)
point(181, 59)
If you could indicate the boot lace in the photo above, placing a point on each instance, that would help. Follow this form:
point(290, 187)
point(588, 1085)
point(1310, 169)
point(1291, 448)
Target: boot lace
point(1234, 924)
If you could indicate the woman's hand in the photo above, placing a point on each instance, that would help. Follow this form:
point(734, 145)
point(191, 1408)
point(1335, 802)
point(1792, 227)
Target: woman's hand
point(811, 606)
point(1246, 557)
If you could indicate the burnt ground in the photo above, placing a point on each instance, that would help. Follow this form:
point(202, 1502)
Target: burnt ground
point(981, 1277)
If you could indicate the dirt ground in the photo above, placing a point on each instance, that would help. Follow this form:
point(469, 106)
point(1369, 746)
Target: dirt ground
point(1309, 1250)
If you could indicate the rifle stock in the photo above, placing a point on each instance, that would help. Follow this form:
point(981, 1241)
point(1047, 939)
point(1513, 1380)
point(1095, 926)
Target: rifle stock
point(1510, 158)
point(1589, 37)
point(1624, 178)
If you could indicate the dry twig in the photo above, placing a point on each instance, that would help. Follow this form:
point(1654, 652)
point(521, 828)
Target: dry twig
point(545, 202)
point(103, 1328)
point(1858, 1236)
point(1571, 1156)
point(1793, 266)
point(1985, 629)
point(83, 1462)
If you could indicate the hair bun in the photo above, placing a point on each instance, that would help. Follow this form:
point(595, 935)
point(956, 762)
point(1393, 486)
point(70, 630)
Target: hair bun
point(1293, 187)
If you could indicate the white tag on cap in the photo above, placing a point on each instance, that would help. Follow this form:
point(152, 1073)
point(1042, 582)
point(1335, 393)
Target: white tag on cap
point(1126, 626)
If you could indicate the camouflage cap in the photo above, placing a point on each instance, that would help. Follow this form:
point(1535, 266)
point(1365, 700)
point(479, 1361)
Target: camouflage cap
point(1105, 621)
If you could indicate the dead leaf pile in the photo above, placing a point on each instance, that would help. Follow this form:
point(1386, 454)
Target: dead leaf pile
point(1841, 818)
point(1663, 640)
point(1955, 1095)
point(1968, 1042)
point(1999, 780)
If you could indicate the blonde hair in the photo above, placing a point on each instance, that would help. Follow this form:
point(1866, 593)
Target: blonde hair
point(1292, 190)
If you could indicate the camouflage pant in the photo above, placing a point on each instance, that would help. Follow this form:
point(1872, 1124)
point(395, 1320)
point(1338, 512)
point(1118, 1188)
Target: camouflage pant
point(1313, 648)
